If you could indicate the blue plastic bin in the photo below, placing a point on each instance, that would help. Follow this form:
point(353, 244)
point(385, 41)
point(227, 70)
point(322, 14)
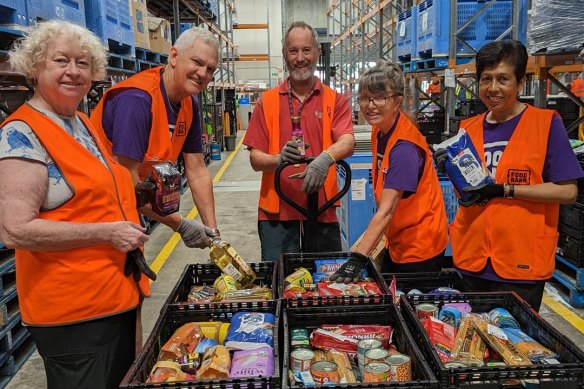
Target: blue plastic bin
point(13, 13)
point(433, 32)
point(450, 202)
point(358, 205)
point(406, 34)
point(70, 10)
point(110, 20)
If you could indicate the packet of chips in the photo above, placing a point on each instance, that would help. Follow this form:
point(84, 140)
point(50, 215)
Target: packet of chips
point(464, 166)
point(167, 371)
point(215, 365)
point(183, 342)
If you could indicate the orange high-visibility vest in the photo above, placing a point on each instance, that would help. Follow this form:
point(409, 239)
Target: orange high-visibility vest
point(519, 236)
point(161, 146)
point(269, 199)
point(69, 286)
point(418, 229)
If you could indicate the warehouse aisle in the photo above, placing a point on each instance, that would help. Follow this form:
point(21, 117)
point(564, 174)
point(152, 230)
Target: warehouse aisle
point(236, 193)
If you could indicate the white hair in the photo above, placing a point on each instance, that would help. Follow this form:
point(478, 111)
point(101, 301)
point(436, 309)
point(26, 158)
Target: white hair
point(188, 37)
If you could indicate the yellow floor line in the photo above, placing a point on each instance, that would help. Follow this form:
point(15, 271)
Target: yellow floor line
point(564, 312)
point(168, 248)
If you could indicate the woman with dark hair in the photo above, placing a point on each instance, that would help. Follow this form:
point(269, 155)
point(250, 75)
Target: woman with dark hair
point(506, 239)
point(410, 206)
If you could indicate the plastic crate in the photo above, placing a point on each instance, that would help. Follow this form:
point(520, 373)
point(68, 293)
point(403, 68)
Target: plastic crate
point(572, 216)
point(172, 318)
point(70, 10)
point(290, 262)
point(450, 199)
point(425, 282)
point(571, 245)
point(13, 13)
point(433, 33)
point(387, 314)
point(406, 34)
point(358, 205)
point(110, 20)
point(201, 274)
point(569, 373)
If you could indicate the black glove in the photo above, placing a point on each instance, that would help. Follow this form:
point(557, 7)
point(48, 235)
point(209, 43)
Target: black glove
point(440, 157)
point(351, 269)
point(483, 193)
point(136, 264)
point(144, 190)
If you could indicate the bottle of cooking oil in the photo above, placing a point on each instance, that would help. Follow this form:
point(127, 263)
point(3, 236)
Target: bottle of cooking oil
point(231, 263)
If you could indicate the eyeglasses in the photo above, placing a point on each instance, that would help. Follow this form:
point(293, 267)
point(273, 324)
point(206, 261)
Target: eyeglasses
point(378, 101)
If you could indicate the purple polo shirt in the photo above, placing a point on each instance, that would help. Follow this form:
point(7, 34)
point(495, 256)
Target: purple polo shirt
point(560, 165)
point(130, 133)
point(406, 163)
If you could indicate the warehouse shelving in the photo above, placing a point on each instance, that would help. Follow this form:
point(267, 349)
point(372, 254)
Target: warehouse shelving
point(362, 32)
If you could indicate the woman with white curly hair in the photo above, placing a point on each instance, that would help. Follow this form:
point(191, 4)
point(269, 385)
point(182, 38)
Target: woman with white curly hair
point(69, 211)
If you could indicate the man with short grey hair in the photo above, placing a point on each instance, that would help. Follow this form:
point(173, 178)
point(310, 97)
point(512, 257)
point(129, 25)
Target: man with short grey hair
point(154, 116)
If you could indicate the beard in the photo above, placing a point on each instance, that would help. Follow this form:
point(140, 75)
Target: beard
point(301, 74)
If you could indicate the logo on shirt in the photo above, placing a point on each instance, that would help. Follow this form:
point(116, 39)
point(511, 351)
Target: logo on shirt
point(328, 111)
point(181, 129)
point(518, 177)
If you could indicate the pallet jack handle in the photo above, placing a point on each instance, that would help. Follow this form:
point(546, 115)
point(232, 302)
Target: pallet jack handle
point(312, 211)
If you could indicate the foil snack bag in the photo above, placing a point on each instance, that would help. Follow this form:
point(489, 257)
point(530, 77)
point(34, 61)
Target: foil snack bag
point(463, 166)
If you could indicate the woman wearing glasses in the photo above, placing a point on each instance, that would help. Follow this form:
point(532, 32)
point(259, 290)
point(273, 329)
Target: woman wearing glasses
point(410, 207)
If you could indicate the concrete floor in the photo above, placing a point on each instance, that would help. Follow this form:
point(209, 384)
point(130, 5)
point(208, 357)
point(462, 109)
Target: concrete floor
point(236, 194)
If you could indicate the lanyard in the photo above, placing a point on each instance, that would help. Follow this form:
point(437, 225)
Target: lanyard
point(301, 104)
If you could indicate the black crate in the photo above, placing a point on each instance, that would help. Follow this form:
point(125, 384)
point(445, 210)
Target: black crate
point(290, 262)
point(205, 274)
point(572, 216)
point(172, 318)
point(571, 245)
point(568, 374)
point(425, 282)
point(386, 314)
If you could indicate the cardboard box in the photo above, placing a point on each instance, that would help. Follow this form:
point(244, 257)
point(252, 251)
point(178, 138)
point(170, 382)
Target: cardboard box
point(139, 14)
point(160, 38)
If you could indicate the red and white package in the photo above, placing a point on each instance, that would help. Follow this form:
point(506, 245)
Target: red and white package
point(345, 337)
point(327, 289)
point(441, 336)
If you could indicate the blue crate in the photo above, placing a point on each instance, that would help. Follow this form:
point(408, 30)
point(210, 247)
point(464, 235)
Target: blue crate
point(110, 20)
point(13, 13)
point(406, 34)
point(433, 33)
point(357, 207)
point(71, 10)
point(214, 7)
point(450, 202)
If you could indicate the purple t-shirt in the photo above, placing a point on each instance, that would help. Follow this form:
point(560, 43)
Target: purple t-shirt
point(406, 162)
point(130, 133)
point(560, 165)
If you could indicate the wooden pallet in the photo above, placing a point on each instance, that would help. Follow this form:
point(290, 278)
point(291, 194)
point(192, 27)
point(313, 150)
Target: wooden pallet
point(572, 278)
point(19, 354)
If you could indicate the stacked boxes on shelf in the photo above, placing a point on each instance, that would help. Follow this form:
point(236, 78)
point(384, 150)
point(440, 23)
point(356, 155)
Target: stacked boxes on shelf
point(139, 12)
point(406, 34)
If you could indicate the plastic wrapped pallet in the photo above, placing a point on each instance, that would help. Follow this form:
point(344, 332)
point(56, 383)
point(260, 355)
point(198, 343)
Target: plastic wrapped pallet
point(555, 25)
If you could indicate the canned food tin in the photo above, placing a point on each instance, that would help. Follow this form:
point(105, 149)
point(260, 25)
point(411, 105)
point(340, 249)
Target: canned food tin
point(300, 277)
point(301, 359)
point(376, 372)
point(401, 367)
point(376, 355)
point(363, 346)
point(299, 338)
point(392, 350)
point(324, 371)
point(425, 310)
point(225, 283)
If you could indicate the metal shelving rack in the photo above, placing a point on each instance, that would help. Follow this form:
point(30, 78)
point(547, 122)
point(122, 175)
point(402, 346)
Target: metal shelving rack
point(362, 31)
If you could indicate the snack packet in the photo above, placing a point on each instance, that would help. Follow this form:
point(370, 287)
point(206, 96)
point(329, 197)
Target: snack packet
point(463, 166)
point(215, 364)
point(167, 371)
point(183, 342)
